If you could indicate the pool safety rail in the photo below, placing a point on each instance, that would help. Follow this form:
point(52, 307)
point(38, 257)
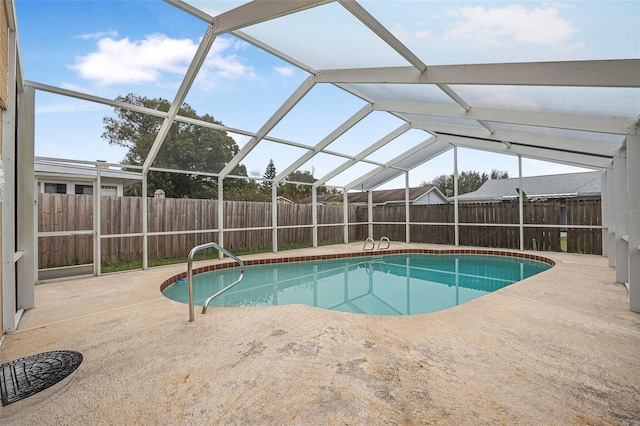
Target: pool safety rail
point(373, 244)
point(192, 254)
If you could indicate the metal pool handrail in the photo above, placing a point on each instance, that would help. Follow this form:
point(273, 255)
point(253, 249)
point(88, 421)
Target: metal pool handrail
point(369, 240)
point(192, 253)
point(386, 240)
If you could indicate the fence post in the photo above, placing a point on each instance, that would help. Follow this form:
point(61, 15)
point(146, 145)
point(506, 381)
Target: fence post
point(314, 215)
point(521, 203)
point(407, 216)
point(345, 215)
point(274, 217)
point(220, 215)
point(456, 228)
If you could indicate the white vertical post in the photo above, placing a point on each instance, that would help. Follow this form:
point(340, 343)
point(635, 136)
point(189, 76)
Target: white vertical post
point(521, 204)
point(97, 262)
point(370, 213)
point(633, 215)
point(145, 220)
point(603, 213)
point(407, 215)
point(8, 195)
point(314, 214)
point(620, 218)
point(274, 217)
point(26, 226)
point(345, 213)
point(220, 215)
point(611, 239)
point(455, 196)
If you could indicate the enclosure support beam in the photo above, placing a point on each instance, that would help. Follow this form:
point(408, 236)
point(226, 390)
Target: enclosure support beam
point(284, 109)
point(407, 213)
point(145, 221)
point(590, 73)
point(520, 204)
point(345, 214)
point(603, 214)
point(370, 212)
point(393, 162)
point(97, 258)
point(27, 265)
point(220, 214)
point(620, 218)
point(352, 121)
point(203, 49)
point(11, 312)
point(585, 122)
point(314, 214)
point(363, 154)
point(633, 206)
point(456, 228)
point(274, 217)
point(611, 239)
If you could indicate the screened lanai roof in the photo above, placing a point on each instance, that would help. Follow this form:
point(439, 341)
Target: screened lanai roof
point(554, 106)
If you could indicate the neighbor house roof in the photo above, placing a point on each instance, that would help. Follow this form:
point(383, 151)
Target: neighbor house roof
point(585, 184)
point(383, 196)
point(70, 171)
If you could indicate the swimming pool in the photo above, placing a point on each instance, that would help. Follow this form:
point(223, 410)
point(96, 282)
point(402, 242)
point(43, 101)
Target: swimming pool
point(393, 284)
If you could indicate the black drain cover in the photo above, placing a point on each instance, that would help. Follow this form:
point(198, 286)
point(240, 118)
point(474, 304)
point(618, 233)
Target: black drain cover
point(27, 376)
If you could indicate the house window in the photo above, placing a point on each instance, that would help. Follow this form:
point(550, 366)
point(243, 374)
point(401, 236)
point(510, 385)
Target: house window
point(84, 189)
point(55, 188)
point(109, 191)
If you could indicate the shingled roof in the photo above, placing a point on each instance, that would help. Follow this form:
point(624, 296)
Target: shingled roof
point(586, 184)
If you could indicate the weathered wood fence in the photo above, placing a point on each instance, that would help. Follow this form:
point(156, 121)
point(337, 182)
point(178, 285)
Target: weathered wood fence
point(122, 215)
point(424, 228)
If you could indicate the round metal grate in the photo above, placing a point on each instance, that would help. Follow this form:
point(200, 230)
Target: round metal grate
point(27, 376)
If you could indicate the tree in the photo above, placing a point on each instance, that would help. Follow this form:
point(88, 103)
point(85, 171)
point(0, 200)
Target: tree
point(269, 174)
point(499, 174)
point(297, 191)
point(467, 181)
point(187, 147)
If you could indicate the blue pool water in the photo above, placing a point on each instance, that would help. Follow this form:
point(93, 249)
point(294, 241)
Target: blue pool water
point(401, 284)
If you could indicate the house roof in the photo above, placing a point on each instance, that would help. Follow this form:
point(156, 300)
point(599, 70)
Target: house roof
point(385, 196)
point(82, 172)
point(585, 184)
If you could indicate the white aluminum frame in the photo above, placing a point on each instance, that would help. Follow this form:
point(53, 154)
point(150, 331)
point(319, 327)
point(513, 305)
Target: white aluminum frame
point(619, 162)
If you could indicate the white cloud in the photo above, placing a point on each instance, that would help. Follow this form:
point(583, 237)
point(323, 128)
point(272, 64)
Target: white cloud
point(125, 61)
point(99, 35)
point(513, 23)
point(285, 71)
point(405, 35)
point(156, 58)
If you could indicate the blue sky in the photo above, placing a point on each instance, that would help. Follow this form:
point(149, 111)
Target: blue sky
point(110, 48)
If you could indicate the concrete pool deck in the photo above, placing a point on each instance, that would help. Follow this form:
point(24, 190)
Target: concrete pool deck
point(559, 348)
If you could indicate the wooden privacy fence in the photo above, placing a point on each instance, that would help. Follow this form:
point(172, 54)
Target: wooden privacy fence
point(425, 226)
point(123, 215)
point(430, 224)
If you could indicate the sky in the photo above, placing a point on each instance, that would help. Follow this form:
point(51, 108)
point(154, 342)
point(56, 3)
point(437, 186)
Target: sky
point(109, 48)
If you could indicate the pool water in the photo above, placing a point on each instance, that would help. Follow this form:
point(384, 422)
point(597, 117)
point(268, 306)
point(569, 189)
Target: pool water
point(401, 284)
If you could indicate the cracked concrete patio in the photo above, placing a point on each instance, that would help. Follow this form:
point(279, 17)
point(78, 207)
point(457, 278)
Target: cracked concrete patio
point(560, 348)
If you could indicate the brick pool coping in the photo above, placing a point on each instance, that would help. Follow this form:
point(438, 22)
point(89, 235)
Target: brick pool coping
point(267, 261)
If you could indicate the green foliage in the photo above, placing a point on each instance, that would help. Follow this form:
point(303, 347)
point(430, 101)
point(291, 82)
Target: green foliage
point(467, 181)
point(270, 174)
point(187, 147)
